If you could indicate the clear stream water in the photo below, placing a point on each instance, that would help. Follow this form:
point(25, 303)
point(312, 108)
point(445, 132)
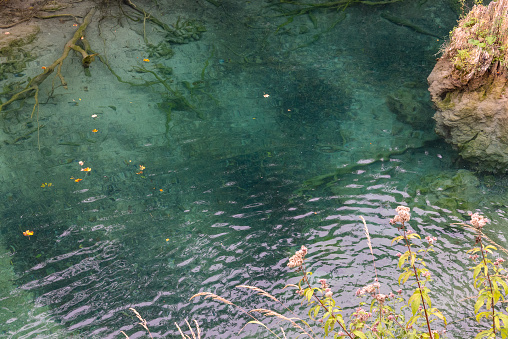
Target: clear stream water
point(283, 133)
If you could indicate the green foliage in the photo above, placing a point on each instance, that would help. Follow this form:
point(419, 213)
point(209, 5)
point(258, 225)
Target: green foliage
point(489, 280)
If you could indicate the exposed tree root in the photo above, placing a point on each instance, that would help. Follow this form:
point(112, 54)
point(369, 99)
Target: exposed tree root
point(33, 86)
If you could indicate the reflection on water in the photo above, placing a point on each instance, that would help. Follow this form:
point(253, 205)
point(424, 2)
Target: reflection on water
point(289, 140)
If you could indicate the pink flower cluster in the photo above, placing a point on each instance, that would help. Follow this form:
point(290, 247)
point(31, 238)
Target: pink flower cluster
point(381, 297)
point(431, 240)
point(297, 259)
point(369, 289)
point(361, 315)
point(323, 283)
point(478, 221)
point(402, 216)
point(499, 261)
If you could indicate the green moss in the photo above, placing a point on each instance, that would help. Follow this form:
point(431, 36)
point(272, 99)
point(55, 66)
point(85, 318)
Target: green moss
point(446, 103)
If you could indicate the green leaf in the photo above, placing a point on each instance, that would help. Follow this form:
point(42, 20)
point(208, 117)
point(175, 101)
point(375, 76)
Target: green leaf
point(397, 239)
point(479, 316)
point(360, 334)
point(413, 258)
point(403, 259)
point(412, 321)
point(477, 270)
point(483, 334)
point(415, 302)
point(438, 314)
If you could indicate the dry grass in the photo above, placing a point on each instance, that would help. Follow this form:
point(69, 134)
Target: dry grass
point(263, 311)
point(479, 42)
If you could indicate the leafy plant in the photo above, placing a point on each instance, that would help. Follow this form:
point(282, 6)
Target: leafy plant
point(489, 279)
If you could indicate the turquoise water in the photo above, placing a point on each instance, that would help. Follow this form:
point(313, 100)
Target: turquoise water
point(281, 133)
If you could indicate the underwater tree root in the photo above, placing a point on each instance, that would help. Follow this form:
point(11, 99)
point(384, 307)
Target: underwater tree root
point(33, 85)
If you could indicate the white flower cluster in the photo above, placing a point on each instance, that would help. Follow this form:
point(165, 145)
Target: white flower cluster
point(297, 259)
point(369, 289)
point(402, 216)
point(478, 221)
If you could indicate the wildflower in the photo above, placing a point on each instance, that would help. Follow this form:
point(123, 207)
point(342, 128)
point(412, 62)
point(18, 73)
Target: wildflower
point(431, 240)
point(426, 274)
point(323, 283)
point(399, 254)
point(361, 315)
point(399, 291)
point(478, 221)
point(369, 289)
point(380, 297)
point(391, 295)
point(81, 163)
point(402, 216)
point(328, 294)
point(391, 317)
point(297, 259)
point(341, 334)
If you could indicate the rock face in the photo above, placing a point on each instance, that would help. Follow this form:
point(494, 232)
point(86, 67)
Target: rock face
point(474, 116)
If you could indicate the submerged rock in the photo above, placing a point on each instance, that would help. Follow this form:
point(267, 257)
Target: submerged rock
point(411, 106)
point(469, 88)
point(448, 190)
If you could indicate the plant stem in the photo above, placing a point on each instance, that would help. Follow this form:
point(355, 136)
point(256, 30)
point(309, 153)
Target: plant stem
point(490, 285)
point(417, 281)
point(323, 305)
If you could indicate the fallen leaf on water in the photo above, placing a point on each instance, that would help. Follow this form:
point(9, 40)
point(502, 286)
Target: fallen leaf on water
point(95, 130)
point(81, 163)
point(28, 233)
point(88, 169)
point(77, 180)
